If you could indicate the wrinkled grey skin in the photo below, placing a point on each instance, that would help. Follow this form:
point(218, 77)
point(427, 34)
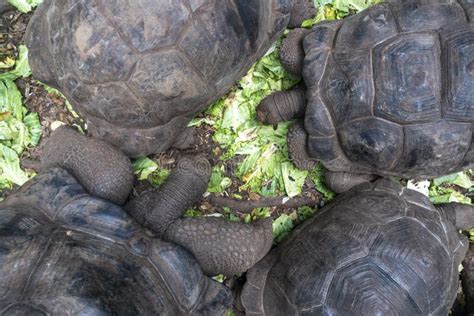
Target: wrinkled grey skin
point(389, 90)
point(139, 71)
point(68, 247)
point(379, 249)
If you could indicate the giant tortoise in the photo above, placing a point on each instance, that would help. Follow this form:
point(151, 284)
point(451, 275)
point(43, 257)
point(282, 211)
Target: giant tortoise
point(390, 91)
point(138, 71)
point(379, 249)
point(64, 251)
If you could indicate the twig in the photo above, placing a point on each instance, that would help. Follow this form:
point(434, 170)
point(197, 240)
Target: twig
point(246, 206)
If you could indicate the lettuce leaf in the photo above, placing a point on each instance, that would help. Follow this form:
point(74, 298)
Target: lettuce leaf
point(25, 6)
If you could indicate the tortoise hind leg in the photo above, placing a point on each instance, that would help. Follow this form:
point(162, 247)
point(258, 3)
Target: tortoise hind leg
point(340, 182)
point(302, 10)
point(467, 280)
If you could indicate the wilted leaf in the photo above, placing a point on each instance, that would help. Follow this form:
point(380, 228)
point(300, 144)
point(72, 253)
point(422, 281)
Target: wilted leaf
point(282, 226)
point(33, 124)
point(420, 186)
point(59, 94)
point(305, 212)
point(460, 179)
point(317, 176)
point(22, 68)
point(25, 6)
point(10, 167)
point(293, 178)
point(147, 169)
point(143, 167)
point(218, 182)
point(440, 195)
point(7, 63)
point(192, 212)
point(10, 99)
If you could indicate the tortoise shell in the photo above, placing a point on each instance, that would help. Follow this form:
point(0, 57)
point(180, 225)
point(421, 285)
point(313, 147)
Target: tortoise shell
point(379, 249)
point(391, 89)
point(138, 71)
point(65, 252)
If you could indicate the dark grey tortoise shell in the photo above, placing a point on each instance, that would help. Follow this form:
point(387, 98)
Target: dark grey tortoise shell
point(391, 89)
point(63, 252)
point(379, 249)
point(138, 71)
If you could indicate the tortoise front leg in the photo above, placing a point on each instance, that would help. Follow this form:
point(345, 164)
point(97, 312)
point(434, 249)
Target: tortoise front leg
point(286, 105)
point(302, 10)
point(292, 51)
point(297, 140)
point(104, 171)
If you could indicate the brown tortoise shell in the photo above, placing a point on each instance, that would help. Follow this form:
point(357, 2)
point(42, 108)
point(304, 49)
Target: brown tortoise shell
point(139, 71)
